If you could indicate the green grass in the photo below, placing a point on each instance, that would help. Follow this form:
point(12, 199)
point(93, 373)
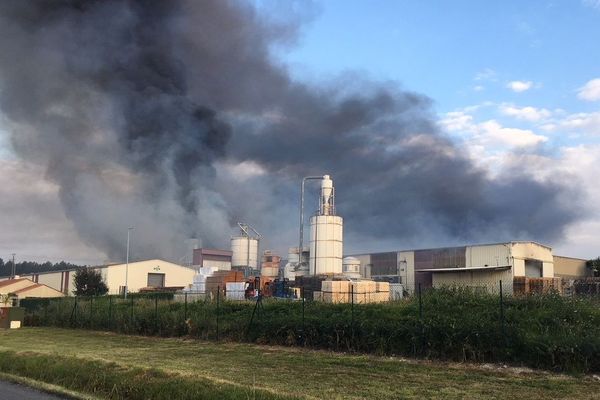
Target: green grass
point(117, 366)
point(549, 331)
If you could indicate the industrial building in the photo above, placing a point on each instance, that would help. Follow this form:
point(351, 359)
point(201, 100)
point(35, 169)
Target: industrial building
point(139, 275)
point(215, 258)
point(481, 265)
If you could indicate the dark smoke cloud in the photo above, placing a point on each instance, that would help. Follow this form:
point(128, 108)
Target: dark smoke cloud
point(174, 117)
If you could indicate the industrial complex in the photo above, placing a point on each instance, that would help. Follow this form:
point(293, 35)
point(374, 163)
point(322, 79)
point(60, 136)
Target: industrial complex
point(321, 271)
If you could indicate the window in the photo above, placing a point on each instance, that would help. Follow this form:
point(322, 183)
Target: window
point(156, 280)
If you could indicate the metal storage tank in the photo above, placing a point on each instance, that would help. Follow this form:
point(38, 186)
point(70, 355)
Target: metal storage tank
point(351, 267)
point(326, 234)
point(244, 248)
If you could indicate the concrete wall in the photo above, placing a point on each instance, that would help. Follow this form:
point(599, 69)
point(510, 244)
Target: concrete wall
point(567, 267)
point(175, 275)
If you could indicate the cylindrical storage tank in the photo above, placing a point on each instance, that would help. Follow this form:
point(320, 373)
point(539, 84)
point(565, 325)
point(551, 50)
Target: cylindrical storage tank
point(351, 267)
point(326, 244)
point(245, 252)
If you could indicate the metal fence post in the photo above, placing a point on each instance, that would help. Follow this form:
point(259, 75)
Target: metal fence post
point(303, 325)
point(185, 307)
point(502, 311)
point(218, 301)
point(421, 321)
point(131, 315)
point(156, 313)
point(109, 312)
point(352, 315)
point(91, 312)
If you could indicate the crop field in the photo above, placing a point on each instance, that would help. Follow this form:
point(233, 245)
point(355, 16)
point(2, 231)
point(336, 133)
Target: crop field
point(114, 366)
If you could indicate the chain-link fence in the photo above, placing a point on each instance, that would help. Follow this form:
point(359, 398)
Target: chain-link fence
point(479, 322)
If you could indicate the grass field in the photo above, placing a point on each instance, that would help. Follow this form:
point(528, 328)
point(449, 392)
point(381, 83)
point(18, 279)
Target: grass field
point(252, 371)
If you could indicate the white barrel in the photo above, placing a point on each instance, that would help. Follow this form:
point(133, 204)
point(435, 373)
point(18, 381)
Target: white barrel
point(245, 252)
point(351, 267)
point(326, 244)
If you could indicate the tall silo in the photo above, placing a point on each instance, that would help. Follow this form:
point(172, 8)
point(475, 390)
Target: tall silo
point(326, 234)
point(245, 249)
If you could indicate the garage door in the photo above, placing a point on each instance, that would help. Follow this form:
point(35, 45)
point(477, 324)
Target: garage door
point(156, 280)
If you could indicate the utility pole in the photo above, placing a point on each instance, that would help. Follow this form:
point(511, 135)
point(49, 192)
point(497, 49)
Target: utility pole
point(14, 267)
point(127, 263)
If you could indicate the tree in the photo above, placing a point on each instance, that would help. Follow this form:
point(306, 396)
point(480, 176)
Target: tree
point(88, 282)
point(594, 266)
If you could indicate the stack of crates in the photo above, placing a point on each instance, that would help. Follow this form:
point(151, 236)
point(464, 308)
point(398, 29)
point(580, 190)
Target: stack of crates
point(359, 292)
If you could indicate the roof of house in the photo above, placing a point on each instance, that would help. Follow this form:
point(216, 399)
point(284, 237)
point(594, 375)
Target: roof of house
point(9, 282)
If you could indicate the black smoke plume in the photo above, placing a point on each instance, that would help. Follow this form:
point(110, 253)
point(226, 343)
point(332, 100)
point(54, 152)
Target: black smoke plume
point(176, 118)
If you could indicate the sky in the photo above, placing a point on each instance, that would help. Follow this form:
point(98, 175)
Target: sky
point(514, 85)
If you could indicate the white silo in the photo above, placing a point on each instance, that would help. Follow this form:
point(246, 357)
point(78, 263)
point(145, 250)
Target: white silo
point(351, 267)
point(326, 234)
point(245, 248)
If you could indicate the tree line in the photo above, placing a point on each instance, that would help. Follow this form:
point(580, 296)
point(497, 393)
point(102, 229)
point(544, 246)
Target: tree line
point(32, 267)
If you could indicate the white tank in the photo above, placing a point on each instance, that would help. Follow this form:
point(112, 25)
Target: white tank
point(351, 267)
point(326, 244)
point(245, 252)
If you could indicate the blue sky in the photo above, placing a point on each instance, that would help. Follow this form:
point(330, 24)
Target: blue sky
point(440, 48)
point(516, 83)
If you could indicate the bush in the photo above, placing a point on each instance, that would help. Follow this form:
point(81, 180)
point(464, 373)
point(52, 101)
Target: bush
point(542, 331)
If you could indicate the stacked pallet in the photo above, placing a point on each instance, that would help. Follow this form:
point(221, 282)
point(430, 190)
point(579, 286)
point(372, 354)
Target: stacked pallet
point(359, 292)
point(525, 285)
point(218, 281)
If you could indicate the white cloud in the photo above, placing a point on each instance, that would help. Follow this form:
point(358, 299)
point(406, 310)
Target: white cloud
point(457, 121)
point(492, 133)
point(591, 90)
point(525, 113)
point(489, 134)
point(588, 123)
point(478, 88)
point(519, 86)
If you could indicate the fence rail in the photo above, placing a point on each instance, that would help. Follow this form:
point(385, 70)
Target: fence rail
point(541, 330)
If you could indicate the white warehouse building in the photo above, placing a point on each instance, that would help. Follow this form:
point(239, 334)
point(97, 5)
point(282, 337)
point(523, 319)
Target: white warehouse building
point(482, 265)
point(154, 273)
